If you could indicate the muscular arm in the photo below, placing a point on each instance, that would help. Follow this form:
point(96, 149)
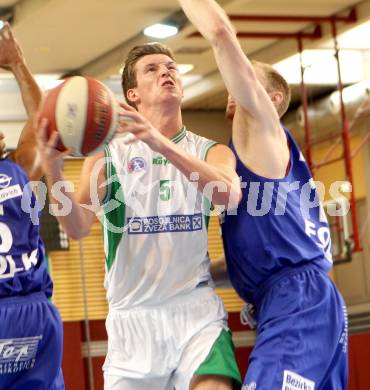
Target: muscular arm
point(11, 58)
point(255, 112)
point(79, 208)
point(218, 171)
point(217, 177)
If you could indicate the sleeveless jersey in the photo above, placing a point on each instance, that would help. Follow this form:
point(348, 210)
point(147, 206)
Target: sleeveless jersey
point(278, 224)
point(155, 232)
point(23, 268)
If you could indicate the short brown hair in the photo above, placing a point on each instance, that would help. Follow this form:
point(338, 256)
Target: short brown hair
point(275, 82)
point(129, 74)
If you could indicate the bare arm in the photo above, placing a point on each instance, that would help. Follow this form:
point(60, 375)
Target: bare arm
point(78, 208)
point(11, 58)
point(236, 70)
point(217, 177)
point(217, 172)
point(255, 113)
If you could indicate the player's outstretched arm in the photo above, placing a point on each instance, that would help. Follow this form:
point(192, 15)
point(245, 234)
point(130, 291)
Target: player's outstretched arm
point(76, 213)
point(255, 110)
point(12, 59)
point(235, 68)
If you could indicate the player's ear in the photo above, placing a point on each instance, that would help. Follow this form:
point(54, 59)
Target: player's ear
point(132, 95)
point(276, 97)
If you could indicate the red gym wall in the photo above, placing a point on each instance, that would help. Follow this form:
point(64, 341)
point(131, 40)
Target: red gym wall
point(76, 373)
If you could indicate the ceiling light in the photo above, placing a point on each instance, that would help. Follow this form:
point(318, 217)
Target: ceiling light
point(48, 81)
point(160, 31)
point(185, 68)
point(354, 38)
point(321, 67)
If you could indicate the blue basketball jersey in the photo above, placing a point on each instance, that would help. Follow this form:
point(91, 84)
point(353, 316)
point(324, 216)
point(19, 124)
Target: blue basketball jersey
point(23, 268)
point(278, 224)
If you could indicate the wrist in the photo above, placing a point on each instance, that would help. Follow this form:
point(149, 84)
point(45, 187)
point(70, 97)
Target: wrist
point(18, 67)
point(54, 172)
point(164, 146)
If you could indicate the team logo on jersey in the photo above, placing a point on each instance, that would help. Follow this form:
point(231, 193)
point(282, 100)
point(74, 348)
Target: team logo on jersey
point(18, 354)
point(165, 224)
point(136, 164)
point(4, 180)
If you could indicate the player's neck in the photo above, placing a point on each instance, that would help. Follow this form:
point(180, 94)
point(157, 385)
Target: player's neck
point(168, 120)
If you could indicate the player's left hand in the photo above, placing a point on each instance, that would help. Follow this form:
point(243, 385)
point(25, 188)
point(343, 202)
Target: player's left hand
point(140, 127)
point(10, 51)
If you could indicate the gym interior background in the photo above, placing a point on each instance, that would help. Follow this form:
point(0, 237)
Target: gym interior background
point(307, 41)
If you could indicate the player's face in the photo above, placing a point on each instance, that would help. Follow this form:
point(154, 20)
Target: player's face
point(158, 80)
point(230, 108)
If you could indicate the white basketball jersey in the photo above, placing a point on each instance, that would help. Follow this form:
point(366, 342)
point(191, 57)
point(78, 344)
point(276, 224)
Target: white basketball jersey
point(155, 231)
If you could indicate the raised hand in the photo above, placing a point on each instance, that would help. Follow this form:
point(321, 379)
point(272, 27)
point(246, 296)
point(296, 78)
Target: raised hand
point(51, 159)
point(136, 124)
point(10, 51)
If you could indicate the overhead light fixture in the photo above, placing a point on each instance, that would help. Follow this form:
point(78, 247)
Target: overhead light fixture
point(161, 31)
point(185, 68)
point(354, 38)
point(321, 67)
point(49, 80)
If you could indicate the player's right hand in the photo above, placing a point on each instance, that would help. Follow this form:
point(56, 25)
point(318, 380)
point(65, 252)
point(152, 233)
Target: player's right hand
point(51, 158)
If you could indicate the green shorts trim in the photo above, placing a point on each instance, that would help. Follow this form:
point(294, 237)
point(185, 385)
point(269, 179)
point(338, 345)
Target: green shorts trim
point(221, 360)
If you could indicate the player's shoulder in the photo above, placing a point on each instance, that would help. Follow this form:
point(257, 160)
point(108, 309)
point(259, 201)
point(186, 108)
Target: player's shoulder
point(190, 136)
point(7, 163)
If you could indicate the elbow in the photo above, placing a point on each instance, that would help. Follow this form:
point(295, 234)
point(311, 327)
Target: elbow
point(234, 198)
point(221, 32)
point(229, 198)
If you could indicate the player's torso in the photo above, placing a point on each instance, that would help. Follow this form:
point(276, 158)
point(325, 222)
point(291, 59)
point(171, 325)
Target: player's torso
point(22, 266)
point(159, 249)
point(277, 225)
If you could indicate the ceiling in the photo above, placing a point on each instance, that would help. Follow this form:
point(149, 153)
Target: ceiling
point(92, 37)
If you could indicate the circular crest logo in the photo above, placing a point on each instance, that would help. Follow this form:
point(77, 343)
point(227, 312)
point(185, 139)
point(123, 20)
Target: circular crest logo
point(136, 164)
point(4, 180)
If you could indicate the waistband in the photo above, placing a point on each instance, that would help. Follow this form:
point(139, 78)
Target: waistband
point(19, 299)
point(283, 273)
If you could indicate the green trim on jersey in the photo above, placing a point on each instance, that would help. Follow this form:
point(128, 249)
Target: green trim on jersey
point(221, 360)
point(179, 136)
point(206, 148)
point(207, 205)
point(115, 217)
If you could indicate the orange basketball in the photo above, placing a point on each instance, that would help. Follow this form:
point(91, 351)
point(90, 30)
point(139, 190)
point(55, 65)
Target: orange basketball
point(84, 112)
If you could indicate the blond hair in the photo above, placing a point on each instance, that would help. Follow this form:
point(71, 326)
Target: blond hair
point(275, 82)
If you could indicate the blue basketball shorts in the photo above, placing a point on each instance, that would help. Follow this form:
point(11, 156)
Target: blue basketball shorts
point(31, 344)
point(302, 335)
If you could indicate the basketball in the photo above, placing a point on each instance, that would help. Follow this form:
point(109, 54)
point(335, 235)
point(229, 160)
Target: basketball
point(84, 112)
